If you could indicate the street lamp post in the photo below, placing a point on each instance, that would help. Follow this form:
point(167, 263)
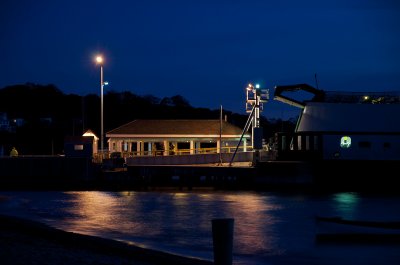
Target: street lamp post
point(99, 60)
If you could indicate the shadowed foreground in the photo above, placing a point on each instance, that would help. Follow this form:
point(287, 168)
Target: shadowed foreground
point(28, 242)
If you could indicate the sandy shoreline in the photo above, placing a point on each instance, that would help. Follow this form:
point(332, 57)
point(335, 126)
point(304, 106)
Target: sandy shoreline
point(28, 242)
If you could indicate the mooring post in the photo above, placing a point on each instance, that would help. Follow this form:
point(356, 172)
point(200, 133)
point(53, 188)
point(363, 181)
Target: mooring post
point(222, 230)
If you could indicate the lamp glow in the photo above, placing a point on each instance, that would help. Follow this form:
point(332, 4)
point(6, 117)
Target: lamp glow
point(99, 59)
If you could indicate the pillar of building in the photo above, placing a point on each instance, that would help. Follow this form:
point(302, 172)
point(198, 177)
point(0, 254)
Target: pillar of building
point(116, 146)
point(109, 148)
point(139, 148)
point(124, 146)
point(166, 148)
point(197, 147)
point(191, 147)
point(149, 148)
point(245, 145)
point(218, 146)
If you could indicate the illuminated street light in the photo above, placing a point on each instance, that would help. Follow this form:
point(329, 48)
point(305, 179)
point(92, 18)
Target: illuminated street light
point(100, 60)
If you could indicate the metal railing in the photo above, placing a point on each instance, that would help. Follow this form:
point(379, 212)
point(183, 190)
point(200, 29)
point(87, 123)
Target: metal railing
point(100, 155)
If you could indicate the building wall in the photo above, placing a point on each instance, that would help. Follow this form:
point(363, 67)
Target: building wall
point(363, 147)
point(373, 129)
point(346, 117)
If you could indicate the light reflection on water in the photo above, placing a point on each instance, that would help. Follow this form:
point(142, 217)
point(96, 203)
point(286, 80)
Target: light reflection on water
point(346, 204)
point(176, 218)
point(267, 225)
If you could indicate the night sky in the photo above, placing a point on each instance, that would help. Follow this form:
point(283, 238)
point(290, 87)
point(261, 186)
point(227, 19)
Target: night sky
point(207, 51)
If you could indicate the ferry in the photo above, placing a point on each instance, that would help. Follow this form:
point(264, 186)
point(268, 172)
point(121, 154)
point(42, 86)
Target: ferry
point(347, 139)
point(343, 125)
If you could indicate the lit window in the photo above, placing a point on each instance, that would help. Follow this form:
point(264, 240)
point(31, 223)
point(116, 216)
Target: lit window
point(345, 142)
point(78, 147)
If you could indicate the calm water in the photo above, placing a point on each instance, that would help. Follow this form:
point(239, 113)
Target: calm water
point(270, 228)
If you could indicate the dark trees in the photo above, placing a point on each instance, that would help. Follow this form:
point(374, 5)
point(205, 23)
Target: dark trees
point(48, 115)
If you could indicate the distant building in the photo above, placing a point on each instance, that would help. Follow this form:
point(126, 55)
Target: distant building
point(18, 122)
point(46, 120)
point(172, 137)
point(78, 146)
point(5, 123)
point(89, 133)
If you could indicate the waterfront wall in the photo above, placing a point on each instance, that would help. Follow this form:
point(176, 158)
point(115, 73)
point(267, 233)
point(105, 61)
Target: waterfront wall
point(193, 159)
point(35, 172)
point(67, 173)
point(263, 176)
point(147, 176)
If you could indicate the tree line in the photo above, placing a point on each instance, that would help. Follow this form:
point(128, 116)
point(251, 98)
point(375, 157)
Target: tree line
point(42, 115)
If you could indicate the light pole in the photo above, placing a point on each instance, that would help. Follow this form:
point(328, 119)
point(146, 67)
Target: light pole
point(99, 60)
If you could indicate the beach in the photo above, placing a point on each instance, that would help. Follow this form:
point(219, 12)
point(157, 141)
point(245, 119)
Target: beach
point(28, 242)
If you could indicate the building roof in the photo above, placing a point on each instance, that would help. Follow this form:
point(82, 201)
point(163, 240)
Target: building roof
point(176, 128)
point(90, 133)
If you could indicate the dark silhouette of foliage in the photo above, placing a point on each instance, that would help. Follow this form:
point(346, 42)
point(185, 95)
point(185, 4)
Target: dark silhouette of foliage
point(49, 115)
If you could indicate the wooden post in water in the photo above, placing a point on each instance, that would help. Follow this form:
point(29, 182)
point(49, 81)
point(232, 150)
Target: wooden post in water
point(222, 230)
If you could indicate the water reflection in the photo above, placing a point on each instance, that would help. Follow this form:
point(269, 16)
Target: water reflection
point(254, 222)
point(267, 225)
point(346, 204)
point(94, 211)
point(174, 219)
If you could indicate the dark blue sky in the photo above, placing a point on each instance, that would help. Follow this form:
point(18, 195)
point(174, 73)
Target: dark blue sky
point(206, 51)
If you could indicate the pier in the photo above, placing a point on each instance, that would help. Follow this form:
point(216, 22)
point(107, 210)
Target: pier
point(67, 173)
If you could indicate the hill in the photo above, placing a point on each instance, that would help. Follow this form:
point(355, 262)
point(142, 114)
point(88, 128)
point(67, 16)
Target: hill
point(41, 116)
